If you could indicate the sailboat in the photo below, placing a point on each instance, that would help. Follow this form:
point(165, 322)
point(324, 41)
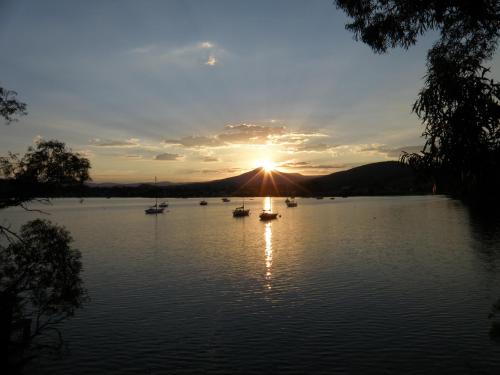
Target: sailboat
point(268, 214)
point(241, 211)
point(154, 210)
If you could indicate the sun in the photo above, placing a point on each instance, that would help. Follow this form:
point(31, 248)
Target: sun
point(268, 165)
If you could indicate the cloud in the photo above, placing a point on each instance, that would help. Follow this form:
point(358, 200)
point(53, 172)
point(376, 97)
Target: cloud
point(393, 152)
point(194, 142)
point(134, 156)
point(194, 54)
point(250, 133)
point(223, 170)
point(206, 45)
point(167, 156)
point(254, 134)
point(311, 147)
point(211, 60)
point(131, 142)
point(307, 165)
point(209, 159)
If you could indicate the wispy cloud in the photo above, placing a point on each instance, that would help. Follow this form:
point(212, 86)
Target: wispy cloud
point(195, 142)
point(209, 159)
point(167, 156)
point(393, 152)
point(131, 142)
point(201, 53)
point(302, 165)
point(211, 61)
point(249, 134)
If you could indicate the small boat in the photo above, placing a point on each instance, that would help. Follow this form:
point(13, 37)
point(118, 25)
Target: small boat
point(203, 203)
point(291, 203)
point(241, 211)
point(163, 205)
point(319, 197)
point(268, 214)
point(226, 200)
point(332, 198)
point(154, 210)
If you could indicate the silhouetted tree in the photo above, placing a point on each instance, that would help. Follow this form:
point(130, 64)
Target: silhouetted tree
point(459, 104)
point(40, 282)
point(48, 165)
point(10, 106)
point(40, 286)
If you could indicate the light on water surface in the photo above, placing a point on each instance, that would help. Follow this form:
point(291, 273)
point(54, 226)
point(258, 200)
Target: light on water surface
point(268, 236)
point(329, 287)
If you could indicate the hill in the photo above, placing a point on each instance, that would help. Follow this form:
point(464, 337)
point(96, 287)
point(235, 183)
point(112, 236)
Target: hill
point(383, 178)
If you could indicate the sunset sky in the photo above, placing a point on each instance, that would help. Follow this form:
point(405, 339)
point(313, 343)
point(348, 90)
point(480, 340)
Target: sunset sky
point(198, 90)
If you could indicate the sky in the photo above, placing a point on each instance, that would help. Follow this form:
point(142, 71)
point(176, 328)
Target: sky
point(201, 90)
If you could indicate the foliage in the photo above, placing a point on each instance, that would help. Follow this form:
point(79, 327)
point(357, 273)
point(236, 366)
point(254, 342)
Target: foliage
point(495, 323)
point(47, 165)
point(459, 104)
point(40, 283)
point(10, 106)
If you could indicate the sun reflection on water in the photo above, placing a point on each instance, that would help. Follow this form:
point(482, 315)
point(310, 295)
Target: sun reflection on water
point(268, 235)
point(267, 204)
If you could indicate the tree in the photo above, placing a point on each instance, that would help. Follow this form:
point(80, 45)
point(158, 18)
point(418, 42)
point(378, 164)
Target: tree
point(40, 283)
point(10, 106)
point(40, 286)
point(47, 166)
point(459, 104)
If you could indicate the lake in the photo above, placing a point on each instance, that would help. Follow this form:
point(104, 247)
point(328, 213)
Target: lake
point(362, 285)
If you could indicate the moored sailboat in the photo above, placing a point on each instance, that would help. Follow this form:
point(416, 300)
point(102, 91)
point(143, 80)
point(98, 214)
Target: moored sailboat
point(154, 210)
point(241, 211)
point(268, 214)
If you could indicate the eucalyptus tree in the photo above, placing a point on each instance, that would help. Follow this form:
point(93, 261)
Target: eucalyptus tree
point(40, 281)
point(459, 103)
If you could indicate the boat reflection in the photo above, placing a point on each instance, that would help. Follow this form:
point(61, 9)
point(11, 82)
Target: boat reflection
point(268, 236)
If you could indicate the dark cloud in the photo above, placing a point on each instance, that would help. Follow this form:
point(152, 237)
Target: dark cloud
point(167, 156)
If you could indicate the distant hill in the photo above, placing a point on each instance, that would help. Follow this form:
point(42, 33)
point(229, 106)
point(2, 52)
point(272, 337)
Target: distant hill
point(131, 184)
point(383, 178)
point(254, 183)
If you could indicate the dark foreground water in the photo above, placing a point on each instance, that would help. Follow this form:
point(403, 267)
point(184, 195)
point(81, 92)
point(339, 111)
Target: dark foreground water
point(399, 285)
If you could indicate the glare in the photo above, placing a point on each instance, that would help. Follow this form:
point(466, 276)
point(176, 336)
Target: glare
point(268, 236)
point(268, 165)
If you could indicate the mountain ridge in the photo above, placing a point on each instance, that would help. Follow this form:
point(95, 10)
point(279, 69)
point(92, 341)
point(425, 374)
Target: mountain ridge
point(382, 178)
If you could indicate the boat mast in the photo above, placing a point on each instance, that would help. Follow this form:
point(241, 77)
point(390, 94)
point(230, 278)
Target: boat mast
point(156, 195)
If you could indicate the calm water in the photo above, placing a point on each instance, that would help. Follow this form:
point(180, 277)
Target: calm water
point(359, 285)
